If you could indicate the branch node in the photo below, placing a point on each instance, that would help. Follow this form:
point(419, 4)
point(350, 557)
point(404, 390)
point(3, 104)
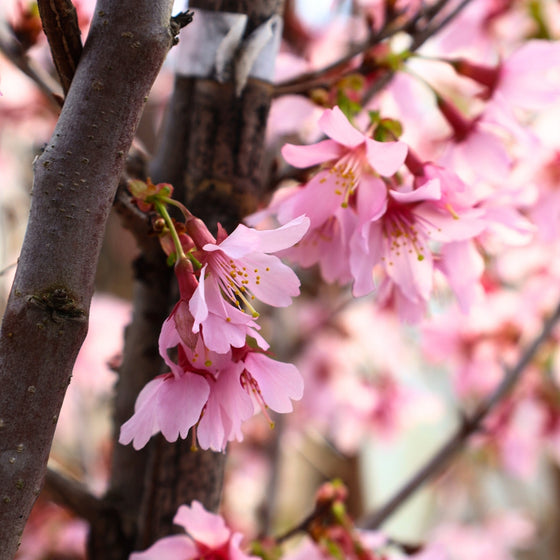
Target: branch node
point(182, 19)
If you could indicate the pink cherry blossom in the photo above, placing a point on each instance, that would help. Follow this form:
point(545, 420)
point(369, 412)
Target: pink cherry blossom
point(209, 392)
point(207, 537)
point(275, 384)
point(228, 406)
point(352, 161)
point(170, 404)
point(240, 269)
point(400, 240)
point(529, 77)
point(327, 245)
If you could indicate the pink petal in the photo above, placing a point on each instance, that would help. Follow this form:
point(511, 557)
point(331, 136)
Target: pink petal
point(463, 266)
point(307, 156)
point(234, 551)
point(413, 275)
point(333, 123)
point(278, 382)
point(197, 303)
point(225, 325)
point(143, 424)
point(169, 548)
point(169, 338)
point(219, 334)
point(430, 190)
point(180, 402)
point(442, 226)
point(365, 252)
point(204, 527)
point(371, 198)
point(486, 154)
point(244, 240)
point(228, 407)
point(386, 157)
point(277, 282)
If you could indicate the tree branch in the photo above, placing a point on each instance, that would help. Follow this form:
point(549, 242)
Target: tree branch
point(15, 53)
point(60, 24)
point(470, 425)
point(75, 182)
point(72, 495)
point(325, 76)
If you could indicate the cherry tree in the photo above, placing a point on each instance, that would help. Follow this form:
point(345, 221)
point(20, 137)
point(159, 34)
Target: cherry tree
point(324, 222)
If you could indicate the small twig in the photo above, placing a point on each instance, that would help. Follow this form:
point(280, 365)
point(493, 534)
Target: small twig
point(304, 525)
point(469, 426)
point(15, 53)
point(432, 28)
point(4, 270)
point(336, 70)
point(182, 19)
point(60, 24)
point(313, 78)
point(72, 495)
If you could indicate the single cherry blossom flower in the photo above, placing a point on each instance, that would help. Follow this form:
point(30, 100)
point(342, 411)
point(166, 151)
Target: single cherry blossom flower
point(207, 537)
point(170, 403)
point(272, 384)
point(228, 406)
point(477, 150)
point(237, 270)
point(352, 164)
point(400, 240)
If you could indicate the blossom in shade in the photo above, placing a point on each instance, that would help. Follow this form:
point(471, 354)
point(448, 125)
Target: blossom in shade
point(207, 537)
point(327, 245)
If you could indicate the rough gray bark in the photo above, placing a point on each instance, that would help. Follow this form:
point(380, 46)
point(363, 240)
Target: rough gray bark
point(75, 182)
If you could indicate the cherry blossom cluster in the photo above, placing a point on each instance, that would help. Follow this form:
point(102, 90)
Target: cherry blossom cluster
point(367, 220)
point(220, 369)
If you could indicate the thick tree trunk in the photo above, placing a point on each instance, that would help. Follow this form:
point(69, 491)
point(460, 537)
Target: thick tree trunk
point(75, 182)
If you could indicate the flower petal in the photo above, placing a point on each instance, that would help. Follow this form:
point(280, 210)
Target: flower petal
point(333, 123)
point(385, 157)
point(143, 424)
point(169, 548)
point(271, 281)
point(244, 240)
point(410, 267)
point(307, 156)
point(371, 200)
point(203, 526)
point(279, 383)
point(180, 402)
point(430, 190)
point(197, 303)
